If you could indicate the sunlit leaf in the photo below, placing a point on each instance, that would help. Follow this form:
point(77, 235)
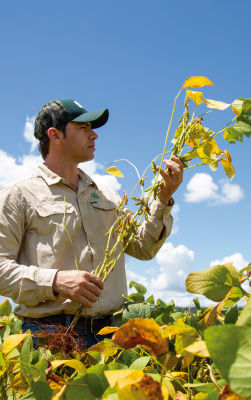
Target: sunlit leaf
point(114, 171)
point(75, 364)
point(141, 332)
point(214, 165)
point(138, 286)
point(5, 308)
point(214, 282)
point(107, 347)
point(198, 348)
point(228, 155)
point(197, 81)
point(237, 106)
point(123, 377)
point(245, 315)
point(107, 330)
point(195, 96)
point(230, 348)
point(12, 342)
point(228, 394)
point(218, 105)
point(228, 167)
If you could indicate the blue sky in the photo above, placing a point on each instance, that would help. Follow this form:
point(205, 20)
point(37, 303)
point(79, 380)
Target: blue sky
point(133, 57)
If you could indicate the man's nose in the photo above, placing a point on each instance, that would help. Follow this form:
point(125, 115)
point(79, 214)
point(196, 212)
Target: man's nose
point(94, 135)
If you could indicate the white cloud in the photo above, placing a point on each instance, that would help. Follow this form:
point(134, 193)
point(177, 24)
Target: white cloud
point(175, 264)
point(201, 187)
point(29, 132)
point(237, 259)
point(92, 168)
point(17, 169)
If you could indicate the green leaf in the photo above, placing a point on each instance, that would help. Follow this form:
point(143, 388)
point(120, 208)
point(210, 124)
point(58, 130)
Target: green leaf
point(5, 308)
point(247, 268)
point(231, 135)
point(135, 298)
point(41, 390)
point(150, 299)
point(116, 365)
point(79, 390)
point(163, 318)
point(129, 356)
point(140, 288)
point(245, 315)
point(230, 349)
point(96, 380)
point(231, 315)
point(196, 303)
point(243, 126)
point(160, 304)
point(26, 358)
point(213, 282)
point(177, 315)
point(140, 363)
point(139, 310)
point(246, 107)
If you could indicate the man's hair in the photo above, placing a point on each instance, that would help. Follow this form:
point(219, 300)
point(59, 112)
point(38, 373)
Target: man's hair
point(51, 114)
point(44, 143)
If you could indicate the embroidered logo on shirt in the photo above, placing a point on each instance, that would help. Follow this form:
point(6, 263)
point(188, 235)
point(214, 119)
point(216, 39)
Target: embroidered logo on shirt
point(95, 196)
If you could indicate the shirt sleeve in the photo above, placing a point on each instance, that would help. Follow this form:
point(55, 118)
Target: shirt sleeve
point(152, 233)
point(25, 284)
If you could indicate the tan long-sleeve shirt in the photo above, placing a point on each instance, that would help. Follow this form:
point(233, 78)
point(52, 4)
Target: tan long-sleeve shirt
point(34, 244)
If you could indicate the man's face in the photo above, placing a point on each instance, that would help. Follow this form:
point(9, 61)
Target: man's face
point(79, 142)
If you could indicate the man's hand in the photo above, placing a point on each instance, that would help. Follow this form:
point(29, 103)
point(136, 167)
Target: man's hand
point(172, 178)
point(80, 286)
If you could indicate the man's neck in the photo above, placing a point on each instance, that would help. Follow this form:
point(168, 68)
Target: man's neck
point(66, 171)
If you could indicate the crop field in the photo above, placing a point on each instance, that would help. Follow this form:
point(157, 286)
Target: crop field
point(157, 352)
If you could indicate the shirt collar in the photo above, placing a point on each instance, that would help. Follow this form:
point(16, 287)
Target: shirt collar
point(51, 178)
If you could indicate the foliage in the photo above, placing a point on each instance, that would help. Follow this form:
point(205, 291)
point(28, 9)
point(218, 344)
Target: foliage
point(158, 352)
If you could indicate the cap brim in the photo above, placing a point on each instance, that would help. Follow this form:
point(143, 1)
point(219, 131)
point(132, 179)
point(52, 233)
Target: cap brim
point(97, 118)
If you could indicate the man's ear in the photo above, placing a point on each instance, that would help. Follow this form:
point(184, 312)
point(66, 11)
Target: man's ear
point(54, 135)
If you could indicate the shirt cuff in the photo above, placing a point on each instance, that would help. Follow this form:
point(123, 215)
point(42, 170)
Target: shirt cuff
point(45, 279)
point(161, 210)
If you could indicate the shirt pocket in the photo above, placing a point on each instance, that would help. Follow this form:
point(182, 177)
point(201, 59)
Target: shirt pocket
point(102, 215)
point(49, 217)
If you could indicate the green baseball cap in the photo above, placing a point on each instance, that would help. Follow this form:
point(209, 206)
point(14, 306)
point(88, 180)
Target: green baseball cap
point(58, 112)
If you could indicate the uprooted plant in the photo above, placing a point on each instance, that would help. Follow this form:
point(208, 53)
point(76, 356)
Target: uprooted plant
point(194, 144)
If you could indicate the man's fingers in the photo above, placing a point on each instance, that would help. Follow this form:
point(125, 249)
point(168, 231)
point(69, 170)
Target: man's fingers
point(97, 281)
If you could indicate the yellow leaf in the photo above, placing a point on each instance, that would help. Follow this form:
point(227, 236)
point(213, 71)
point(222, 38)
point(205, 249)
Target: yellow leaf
point(215, 149)
point(180, 396)
point(195, 96)
point(19, 384)
point(76, 364)
point(107, 329)
point(198, 348)
point(228, 167)
point(59, 394)
point(144, 388)
point(13, 341)
point(218, 105)
point(108, 349)
point(214, 165)
point(197, 81)
point(123, 377)
point(141, 332)
point(228, 155)
point(237, 106)
point(114, 171)
point(192, 142)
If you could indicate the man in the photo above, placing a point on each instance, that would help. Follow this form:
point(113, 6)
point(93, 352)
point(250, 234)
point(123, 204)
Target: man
point(39, 268)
